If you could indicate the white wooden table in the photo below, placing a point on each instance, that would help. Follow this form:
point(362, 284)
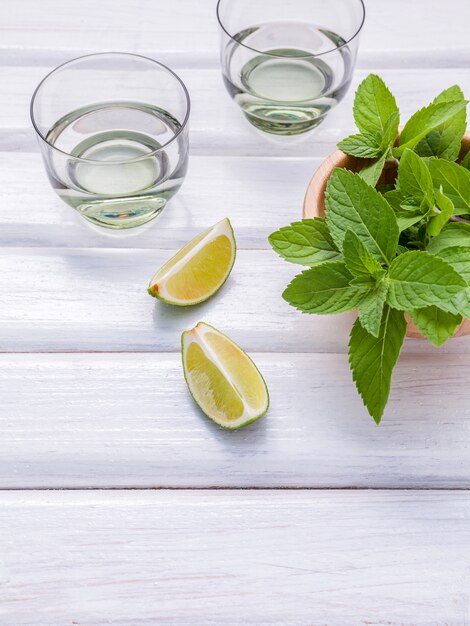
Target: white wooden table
point(120, 503)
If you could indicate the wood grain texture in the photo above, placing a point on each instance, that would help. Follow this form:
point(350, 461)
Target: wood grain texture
point(185, 33)
point(260, 558)
point(259, 194)
point(88, 299)
point(127, 420)
point(217, 126)
point(89, 420)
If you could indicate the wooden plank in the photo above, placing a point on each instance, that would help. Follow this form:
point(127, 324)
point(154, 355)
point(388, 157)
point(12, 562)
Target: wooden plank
point(185, 33)
point(61, 299)
point(259, 194)
point(101, 420)
point(217, 125)
point(277, 558)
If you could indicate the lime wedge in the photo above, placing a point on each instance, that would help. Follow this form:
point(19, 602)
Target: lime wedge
point(222, 379)
point(199, 269)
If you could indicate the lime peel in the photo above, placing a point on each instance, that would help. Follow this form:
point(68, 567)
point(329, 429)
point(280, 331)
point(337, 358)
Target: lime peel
point(199, 269)
point(222, 378)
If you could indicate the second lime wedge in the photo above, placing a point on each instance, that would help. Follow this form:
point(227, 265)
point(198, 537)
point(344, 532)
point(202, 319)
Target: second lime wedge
point(222, 378)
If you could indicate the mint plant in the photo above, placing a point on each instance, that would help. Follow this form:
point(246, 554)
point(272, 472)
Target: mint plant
point(389, 250)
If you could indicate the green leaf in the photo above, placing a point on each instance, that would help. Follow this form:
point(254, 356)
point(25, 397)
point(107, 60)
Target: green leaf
point(435, 324)
point(406, 214)
point(444, 141)
point(390, 132)
point(413, 198)
point(454, 181)
point(383, 189)
point(426, 120)
point(372, 172)
point(363, 146)
point(405, 220)
point(453, 234)
point(373, 105)
point(372, 359)
point(395, 198)
point(466, 161)
point(324, 289)
point(306, 243)
point(357, 257)
point(459, 258)
point(368, 282)
point(437, 223)
point(419, 279)
point(353, 205)
point(371, 309)
point(459, 304)
point(414, 181)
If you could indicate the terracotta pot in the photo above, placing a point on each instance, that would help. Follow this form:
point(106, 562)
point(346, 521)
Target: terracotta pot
point(314, 203)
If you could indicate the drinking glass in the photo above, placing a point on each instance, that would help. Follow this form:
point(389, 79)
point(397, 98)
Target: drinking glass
point(113, 133)
point(286, 63)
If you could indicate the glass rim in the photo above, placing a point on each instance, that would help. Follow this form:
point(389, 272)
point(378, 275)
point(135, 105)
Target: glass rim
point(103, 54)
point(280, 56)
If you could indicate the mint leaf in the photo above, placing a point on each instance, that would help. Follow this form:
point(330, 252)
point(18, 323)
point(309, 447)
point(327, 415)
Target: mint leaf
point(306, 243)
point(372, 359)
point(373, 105)
point(436, 325)
point(368, 282)
point(453, 234)
point(371, 309)
point(363, 146)
point(324, 289)
point(353, 205)
point(357, 257)
point(419, 279)
point(383, 189)
point(405, 220)
point(459, 304)
point(444, 141)
point(414, 197)
point(415, 182)
point(466, 161)
point(459, 258)
point(426, 120)
point(454, 181)
point(437, 223)
point(390, 132)
point(372, 172)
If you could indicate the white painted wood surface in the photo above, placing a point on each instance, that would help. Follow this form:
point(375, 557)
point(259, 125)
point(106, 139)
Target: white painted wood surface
point(149, 433)
point(91, 299)
point(233, 558)
point(107, 406)
point(184, 33)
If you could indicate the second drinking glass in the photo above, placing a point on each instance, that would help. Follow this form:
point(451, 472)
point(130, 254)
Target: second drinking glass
point(288, 62)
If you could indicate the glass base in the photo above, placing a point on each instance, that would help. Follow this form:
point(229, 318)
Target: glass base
point(284, 122)
point(122, 213)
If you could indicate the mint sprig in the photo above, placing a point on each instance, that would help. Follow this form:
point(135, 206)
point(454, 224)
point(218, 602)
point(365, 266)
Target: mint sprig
point(403, 248)
point(426, 120)
point(444, 141)
point(377, 117)
point(454, 181)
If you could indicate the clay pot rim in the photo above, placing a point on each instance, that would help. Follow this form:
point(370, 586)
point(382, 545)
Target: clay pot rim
point(338, 158)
